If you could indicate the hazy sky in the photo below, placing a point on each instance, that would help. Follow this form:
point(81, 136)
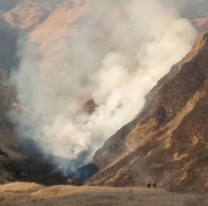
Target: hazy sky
point(187, 7)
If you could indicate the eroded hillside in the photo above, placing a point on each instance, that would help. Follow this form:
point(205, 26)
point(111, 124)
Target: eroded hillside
point(169, 137)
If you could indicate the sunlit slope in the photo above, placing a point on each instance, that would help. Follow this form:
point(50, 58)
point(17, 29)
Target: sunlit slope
point(167, 141)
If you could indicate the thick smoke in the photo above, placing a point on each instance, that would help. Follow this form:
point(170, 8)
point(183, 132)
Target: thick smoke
point(118, 53)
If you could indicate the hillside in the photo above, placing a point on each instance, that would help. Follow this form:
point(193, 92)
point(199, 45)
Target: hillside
point(26, 14)
point(8, 139)
point(167, 141)
point(53, 34)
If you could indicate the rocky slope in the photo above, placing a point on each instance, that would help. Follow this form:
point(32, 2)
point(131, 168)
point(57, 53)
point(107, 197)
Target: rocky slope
point(167, 142)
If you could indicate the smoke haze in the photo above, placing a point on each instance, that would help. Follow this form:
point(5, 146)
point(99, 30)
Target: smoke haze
point(118, 53)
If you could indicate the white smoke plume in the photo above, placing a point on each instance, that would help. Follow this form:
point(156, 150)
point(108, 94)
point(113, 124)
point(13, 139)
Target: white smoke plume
point(120, 51)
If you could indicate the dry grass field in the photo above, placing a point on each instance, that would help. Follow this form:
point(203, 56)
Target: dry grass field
point(29, 194)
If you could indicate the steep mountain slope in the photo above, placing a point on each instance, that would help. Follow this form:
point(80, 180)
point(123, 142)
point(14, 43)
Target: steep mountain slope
point(14, 166)
point(8, 140)
point(169, 137)
point(53, 34)
point(26, 14)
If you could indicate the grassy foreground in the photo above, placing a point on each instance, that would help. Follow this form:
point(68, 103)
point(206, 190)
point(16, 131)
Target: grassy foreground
point(30, 194)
